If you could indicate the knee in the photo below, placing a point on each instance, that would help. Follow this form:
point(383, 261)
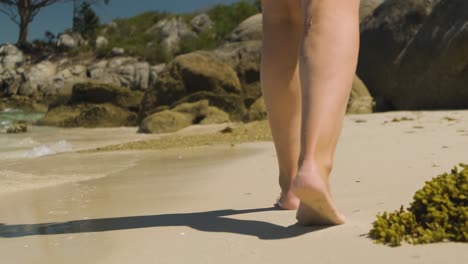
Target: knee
point(284, 12)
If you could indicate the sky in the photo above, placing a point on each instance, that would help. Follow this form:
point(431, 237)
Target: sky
point(58, 17)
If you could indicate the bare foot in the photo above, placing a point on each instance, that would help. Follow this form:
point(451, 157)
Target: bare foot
point(317, 206)
point(288, 201)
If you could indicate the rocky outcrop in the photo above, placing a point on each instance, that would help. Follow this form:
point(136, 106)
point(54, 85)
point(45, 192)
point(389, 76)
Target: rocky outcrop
point(10, 56)
point(385, 35)
point(171, 31)
point(96, 105)
point(181, 116)
point(88, 115)
point(99, 93)
point(433, 69)
point(121, 71)
point(192, 77)
point(249, 29)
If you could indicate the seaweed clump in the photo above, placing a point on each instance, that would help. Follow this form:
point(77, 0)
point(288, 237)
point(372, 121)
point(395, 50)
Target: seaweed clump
point(438, 213)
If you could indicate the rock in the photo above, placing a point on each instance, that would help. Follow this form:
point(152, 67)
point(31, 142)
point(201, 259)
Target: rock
point(116, 51)
point(257, 111)
point(10, 81)
point(154, 73)
point(10, 56)
point(384, 36)
point(17, 127)
point(433, 69)
point(188, 74)
point(24, 103)
point(244, 57)
point(101, 42)
point(360, 101)
point(230, 103)
point(100, 93)
point(202, 112)
point(171, 31)
point(37, 78)
point(165, 122)
point(249, 29)
point(69, 40)
point(121, 71)
point(62, 82)
point(367, 7)
point(201, 23)
point(88, 115)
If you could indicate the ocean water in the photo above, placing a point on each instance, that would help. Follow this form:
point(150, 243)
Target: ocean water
point(30, 144)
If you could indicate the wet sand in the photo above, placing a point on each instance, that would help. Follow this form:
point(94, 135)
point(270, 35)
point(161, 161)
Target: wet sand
point(213, 204)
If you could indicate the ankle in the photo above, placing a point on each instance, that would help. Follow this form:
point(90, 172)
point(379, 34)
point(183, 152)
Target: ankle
point(323, 168)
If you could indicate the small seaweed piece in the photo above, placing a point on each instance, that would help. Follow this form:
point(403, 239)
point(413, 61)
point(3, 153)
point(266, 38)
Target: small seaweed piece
point(439, 212)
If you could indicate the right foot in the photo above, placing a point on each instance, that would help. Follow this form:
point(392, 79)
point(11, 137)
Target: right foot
point(317, 206)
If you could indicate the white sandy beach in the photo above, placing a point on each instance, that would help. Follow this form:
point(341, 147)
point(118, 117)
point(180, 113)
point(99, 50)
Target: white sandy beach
point(213, 204)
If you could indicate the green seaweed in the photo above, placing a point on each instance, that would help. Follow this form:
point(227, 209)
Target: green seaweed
point(438, 213)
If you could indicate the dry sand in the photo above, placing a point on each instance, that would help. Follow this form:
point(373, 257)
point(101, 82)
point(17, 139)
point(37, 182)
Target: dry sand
point(212, 204)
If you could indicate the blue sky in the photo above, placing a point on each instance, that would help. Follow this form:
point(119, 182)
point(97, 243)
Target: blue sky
point(57, 18)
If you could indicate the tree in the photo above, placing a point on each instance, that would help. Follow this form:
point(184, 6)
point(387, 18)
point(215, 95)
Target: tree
point(22, 13)
point(78, 6)
point(85, 21)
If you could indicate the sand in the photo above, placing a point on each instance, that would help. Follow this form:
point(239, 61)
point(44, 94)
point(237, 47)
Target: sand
point(213, 204)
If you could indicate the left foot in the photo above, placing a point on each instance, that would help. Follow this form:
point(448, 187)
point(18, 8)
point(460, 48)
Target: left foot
point(287, 201)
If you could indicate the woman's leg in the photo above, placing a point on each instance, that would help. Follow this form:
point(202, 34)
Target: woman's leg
point(327, 59)
point(282, 29)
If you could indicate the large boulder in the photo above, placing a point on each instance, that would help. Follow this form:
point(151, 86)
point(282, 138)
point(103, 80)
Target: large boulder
point(384, 36)
point(10, 56)
point(101, 42)
point(99, 93)
point(88, 115)
point(165, 122)
point(249, 29)
point(70, 40)
point(189, 74)
point(171, 31)
point(37, 78)
point(202, 112)
point(244, 58)
point(121, 71)
point(94, 104)
point(433, 69)
point(183, 115)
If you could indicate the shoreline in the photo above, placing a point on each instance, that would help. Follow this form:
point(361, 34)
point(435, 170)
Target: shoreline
point(13, 179)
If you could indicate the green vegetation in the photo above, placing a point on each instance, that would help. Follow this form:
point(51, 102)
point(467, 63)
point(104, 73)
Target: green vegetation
point(228, 17)
point(135, 36)
point(438, 213)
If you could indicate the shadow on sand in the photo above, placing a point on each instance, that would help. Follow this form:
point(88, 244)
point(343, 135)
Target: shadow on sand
point(212, 221)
